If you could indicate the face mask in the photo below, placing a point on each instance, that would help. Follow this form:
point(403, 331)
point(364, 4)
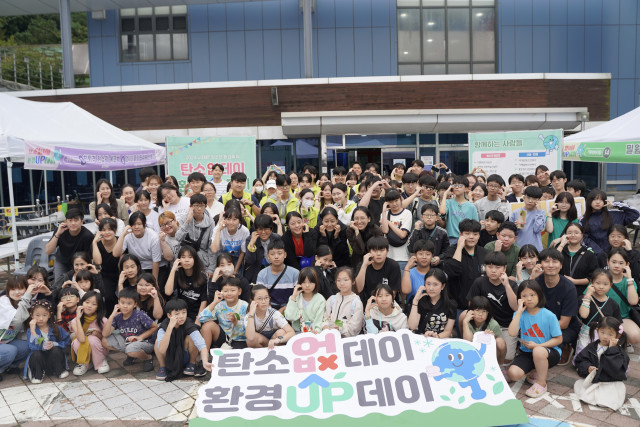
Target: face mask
point(307, 204)
point(227, 271)
point(259, 189)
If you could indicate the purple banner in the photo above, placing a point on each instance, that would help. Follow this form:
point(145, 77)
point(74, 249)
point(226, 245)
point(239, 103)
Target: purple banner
point(74, 159)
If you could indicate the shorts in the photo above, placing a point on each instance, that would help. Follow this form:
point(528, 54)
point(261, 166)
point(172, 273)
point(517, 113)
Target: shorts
point(222, 339)
point(524, 360)
point(512, 343)
point(119, 342)
point(268, 334)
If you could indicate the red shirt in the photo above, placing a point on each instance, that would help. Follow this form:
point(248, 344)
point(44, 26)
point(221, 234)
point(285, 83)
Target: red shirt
point(299, 246)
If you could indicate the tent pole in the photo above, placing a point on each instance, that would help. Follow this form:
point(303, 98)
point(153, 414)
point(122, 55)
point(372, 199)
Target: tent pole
point(46, 195)
point(14, 229)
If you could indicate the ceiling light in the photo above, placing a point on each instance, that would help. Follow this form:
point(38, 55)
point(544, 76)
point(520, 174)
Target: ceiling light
point(429, 40)
point(405, 52)
point(431, 23)
point(403, 15)
point(479, 14)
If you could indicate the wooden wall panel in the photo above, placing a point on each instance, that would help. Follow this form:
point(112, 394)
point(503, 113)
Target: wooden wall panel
point(251, 106)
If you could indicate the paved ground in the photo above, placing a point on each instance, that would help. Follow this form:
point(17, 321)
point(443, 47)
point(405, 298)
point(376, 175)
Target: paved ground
point(128, 396)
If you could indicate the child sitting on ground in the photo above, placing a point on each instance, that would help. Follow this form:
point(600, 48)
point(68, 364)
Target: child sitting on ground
point(223, 320)
point(479, 318)
point(178, 343)
point(603, 364)
point(343, 310)
point(134, 329)
point(47, 342)
point(265, 326)
point(382, 313)
point(87, 327)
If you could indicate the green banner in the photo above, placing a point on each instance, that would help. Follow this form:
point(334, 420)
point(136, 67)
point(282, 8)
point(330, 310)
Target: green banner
point(188, 154)
point(506, 153)
point(605, 152)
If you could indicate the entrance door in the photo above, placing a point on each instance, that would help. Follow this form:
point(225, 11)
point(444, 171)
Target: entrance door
point(346, 158)
point(391, 156)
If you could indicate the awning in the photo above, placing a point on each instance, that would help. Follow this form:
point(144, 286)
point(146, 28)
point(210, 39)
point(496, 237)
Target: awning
point(428, 121)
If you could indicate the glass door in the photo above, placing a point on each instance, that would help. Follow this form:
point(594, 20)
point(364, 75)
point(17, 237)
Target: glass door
point(391, 156)
point(346, 158)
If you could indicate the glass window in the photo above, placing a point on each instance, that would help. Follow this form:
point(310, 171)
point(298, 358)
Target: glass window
point(409, 69)
point(459, 69)
point(484, 68)
point(433, 43)
point(459, 48)
point(409, 35)
point(434, 69)
point(484, 42)
point(154, 34)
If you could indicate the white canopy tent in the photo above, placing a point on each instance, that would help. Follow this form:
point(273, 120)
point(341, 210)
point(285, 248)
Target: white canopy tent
point(616, 141)
point(62, 136)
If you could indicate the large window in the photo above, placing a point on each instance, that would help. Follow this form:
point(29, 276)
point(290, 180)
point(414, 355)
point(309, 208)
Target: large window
point(446, 37)
point(154, 34)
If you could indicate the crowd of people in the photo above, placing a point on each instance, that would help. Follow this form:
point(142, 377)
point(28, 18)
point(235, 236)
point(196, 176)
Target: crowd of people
point(172, 272)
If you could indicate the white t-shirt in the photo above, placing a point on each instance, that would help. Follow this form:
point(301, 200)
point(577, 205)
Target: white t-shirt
point(93, 227)
point(180, 209)
point(215, 209)
point(152, 221)
point(221, 187)
point(233, 244)
point(277, 321)
point(146, 248)
point(403, 221)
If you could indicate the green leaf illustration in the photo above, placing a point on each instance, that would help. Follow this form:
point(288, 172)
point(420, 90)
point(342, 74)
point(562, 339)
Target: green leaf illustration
point(461, 399)
point(498, 387)
point(340, 375)
point(218, 353)
point(443, 397)
point(452, 390)
point(338, 323)
point(237, 316)
point(491, 377)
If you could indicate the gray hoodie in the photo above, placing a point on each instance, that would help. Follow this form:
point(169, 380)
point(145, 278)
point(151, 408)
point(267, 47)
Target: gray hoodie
point(193, 230)
point(379, 322)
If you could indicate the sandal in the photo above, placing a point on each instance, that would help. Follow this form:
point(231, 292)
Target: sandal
point(536, 390)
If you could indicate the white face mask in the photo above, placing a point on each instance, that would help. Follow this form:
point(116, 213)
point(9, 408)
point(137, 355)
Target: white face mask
point(227, 271)
point(259, 189)
point(307, 204)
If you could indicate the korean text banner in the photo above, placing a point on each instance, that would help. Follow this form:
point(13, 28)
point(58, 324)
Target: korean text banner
point(235, 153)
point(385, 379)
point(79, 159)
point(607, 152)
point(507, 153)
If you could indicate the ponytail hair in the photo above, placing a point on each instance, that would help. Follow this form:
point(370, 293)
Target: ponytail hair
point(613, 323)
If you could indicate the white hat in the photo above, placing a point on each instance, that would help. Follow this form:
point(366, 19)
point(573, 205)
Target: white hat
point(270, 184)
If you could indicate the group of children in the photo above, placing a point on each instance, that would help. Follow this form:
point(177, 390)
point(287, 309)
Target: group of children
point(355, 252)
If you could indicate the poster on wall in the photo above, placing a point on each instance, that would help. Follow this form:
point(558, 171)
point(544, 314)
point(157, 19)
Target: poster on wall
point(186, 155)
point(507, 153)
point(397, 378)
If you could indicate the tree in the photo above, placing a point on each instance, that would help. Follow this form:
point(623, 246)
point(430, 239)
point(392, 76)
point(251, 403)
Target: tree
point(40, 29)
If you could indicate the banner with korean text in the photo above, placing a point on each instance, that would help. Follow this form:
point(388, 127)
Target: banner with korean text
point(397, 378)
point(507, 153)
point(188, 154)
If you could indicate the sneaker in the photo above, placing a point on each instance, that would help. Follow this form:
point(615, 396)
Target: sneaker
point(129, 361)
point(630, 349)
point(189, 369)
point(36, 381)
point(80, 370)
point(532, 378)
point(63, 375)
point(148, 365)
point(161, 373)
point(199, 370)
point(536, 390)
point(565, 358)
point(104, 368)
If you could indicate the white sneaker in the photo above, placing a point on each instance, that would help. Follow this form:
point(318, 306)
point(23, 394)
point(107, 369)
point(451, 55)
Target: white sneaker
point(630, 349)
point(80, 370)
point(104, 368)
point(35, 381)
point(64, 374)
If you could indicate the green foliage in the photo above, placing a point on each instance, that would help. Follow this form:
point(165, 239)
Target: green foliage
point(51, 61)
point(40, 29)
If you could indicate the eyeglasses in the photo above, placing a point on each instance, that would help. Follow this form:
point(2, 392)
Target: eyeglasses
point(166, 224)
point(263, 299)
point(429, 188)
point(429, 215)
point(493, 187)
point(457, 186)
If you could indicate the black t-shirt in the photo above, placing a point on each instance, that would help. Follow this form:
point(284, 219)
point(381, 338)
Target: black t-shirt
point(434, 318)
point(485, 237)
point(109, 269)
point(69, 245)
point(497, 295)
point(375, 209)
point(212, 287)
point(560, 299)
point(389, 274)
point(608, 308)
point(192, 296)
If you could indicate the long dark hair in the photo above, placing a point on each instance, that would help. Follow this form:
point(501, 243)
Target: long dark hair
point(197, 276)
point(113, 202)
point(425, 303)
point(594, 194)
point(367, 230)
point(322, 186)
point(99, 310)
point(150, 278)
point(572, 213)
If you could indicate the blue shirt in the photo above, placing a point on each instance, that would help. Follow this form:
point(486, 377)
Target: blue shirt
point(456, 212)
point(531, 233)
point(417, 280)
point(539, 328)
point(284, 289)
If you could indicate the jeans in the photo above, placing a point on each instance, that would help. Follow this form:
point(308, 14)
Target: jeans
point(13, 353)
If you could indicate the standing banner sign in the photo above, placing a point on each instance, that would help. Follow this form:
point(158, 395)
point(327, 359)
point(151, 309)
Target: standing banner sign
point(605, 152)
point(386, 379)
point(188, 154)
point(507, 153)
